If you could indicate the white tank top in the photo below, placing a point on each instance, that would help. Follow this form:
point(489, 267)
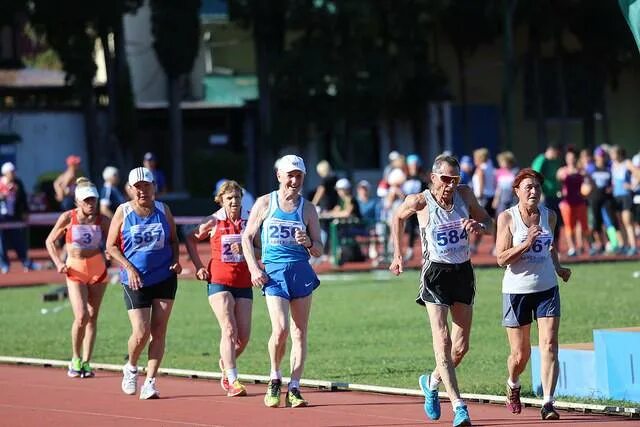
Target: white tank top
point(534, 271)
point(443, 238)
point(489, 187)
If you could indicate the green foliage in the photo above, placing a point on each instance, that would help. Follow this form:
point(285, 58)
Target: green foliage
point(364, 328)
point(176, 33)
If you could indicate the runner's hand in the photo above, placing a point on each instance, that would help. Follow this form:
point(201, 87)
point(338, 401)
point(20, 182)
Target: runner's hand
point(470, 225)
point(62, 268)
point(396, 266)
point(176, 267)
point(532, 234)
point(302, 238)
point(202, 274)
point(259, 278)
point(564, 273)
point(135, 281)
point(236, 248)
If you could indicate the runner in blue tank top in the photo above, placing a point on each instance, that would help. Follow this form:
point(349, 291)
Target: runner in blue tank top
point(142, 238)
point(290, 233)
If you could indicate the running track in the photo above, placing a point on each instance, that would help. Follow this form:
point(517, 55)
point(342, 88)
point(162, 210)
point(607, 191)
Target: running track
point(34, 396)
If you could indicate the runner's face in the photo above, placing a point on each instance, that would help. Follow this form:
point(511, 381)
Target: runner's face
point(445, 181)
point(88, 206)
point(529, 192)
point(232, 201)
point(143, 191)
point(291, 182)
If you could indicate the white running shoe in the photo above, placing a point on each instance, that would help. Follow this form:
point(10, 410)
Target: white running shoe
point(149, 390)
point(129, 381)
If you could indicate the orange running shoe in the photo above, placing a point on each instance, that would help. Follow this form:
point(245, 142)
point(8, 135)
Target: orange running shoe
point(224, 381)
point(236, 389)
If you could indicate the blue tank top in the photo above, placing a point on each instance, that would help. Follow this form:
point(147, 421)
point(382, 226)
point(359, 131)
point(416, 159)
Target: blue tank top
point(278, 234)
point(145, 243)
point(620, 176)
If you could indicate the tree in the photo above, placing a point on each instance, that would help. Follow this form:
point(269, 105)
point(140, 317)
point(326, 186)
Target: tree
point(176, 31)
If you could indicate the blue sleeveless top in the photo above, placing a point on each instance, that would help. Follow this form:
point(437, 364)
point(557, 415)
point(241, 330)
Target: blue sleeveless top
point(145, 243)
point(278, 234)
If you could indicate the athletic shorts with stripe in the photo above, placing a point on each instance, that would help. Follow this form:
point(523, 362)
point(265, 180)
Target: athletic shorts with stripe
point(446, 284)
point(523, 309)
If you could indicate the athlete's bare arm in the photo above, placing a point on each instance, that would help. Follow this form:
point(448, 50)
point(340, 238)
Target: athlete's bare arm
point(564, 273)
point(173, 240)
point(478, 215)
point(311, 240)
point(256, 218)
point(191, 242)
point(410, 206)
point(505, 251)
point(57, 232)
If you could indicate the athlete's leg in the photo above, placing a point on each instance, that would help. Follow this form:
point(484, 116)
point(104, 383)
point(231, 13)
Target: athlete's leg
point(243, 322)
point(94, 300)
point(300, 311)
point(520, 351)
point(223, 306)
point(442, 348)
point(548, 342)
point(78, 295)
point(140, 319)
point(160, 312)
point(279, 314)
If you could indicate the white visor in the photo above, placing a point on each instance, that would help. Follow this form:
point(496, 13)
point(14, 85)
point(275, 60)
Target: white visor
point(83, 193)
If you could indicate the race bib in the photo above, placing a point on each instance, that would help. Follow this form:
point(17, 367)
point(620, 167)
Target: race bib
point(226, 255)
point(539, 251)
point(283, 232)
point(147, 237)
point(85, 235)
point(450, 238)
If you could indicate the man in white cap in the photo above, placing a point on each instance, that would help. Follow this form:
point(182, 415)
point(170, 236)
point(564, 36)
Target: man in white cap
point(290, 233)
point(13, 208)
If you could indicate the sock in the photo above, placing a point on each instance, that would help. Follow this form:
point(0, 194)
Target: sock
point(547, 399)
point(276, 375)
point(150, 380)
point(433, 382)
point(457, 403)
point(232, 374)
point(512, 384)
point(131, 368)
point(294, 384)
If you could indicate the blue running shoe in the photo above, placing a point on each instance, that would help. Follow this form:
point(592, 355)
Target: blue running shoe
point(431, 399)
point(461, 417)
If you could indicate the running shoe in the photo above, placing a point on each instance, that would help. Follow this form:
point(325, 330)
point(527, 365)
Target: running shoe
point(236, 389)
point(548, 412)
point(149, 390)
point(75, 368)
point(224, 381)
point(272, 397)
point(431, 398)
point(513, 400)
point(294, 399)
point(129, 381)
point(461, 416)
point(87, 370)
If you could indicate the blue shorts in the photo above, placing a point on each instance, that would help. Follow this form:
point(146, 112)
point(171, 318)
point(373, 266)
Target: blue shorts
point(522, 309)
point(214, 288)
point(290, 280)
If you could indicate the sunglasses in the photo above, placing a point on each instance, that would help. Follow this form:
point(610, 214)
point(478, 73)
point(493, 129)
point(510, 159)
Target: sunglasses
point(448, 179)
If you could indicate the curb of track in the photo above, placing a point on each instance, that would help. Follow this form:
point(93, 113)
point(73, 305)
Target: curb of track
point(632, 412)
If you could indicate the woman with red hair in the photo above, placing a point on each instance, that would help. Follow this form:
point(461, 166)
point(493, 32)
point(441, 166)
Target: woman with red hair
point(530, 287)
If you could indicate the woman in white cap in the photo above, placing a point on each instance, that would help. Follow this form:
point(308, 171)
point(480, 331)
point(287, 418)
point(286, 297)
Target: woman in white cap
point(290, 233)
point(85, 230)
point(110, 195)
point(143, 239)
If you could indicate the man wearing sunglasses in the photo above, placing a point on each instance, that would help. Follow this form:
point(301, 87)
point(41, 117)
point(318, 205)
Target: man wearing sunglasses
point(447, 214)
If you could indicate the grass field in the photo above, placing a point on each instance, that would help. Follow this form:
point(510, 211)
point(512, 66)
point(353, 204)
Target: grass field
point(365, 328)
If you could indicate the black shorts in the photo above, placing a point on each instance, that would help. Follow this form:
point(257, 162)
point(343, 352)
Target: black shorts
point(623, 203)
point(446, 284)
point(143, 297)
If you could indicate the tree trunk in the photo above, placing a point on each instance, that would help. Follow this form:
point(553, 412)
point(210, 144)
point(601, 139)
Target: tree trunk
point(561, 88)
point(175, 126)
point(538, 90)
point(125, 124)
point(509, 7)
point(112, 84)
point(90, 115)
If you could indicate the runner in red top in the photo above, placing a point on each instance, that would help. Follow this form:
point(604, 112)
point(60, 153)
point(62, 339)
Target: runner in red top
point(229, 281)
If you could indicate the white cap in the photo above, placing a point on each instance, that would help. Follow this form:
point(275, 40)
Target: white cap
point(140, 174)
point(291, 163)
point(396, 177)
point(343, 184)
point(394, 155)
point(636, 160)
point(84, 192)
point(8, 167)
point(109, 172)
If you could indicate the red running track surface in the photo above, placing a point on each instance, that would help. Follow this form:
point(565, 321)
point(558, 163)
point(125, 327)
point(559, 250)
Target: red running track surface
point(34, 396)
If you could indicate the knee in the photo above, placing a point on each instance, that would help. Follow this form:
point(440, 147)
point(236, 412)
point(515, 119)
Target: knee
point(442, 341)
point(81, 319)
point(298, 335)
point(520, 356)
point(228, 331)
point(549, 346)
point(242, 340)
point(459, 350)
point(140, 336)
point(280, 334)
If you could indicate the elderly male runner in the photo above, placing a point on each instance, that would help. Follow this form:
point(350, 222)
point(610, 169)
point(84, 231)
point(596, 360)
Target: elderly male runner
point(447, 214)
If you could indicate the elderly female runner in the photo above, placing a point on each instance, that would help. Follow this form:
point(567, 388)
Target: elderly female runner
point(85, 230)
point(530, 287)
point(229, 281)
point(143, 240)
